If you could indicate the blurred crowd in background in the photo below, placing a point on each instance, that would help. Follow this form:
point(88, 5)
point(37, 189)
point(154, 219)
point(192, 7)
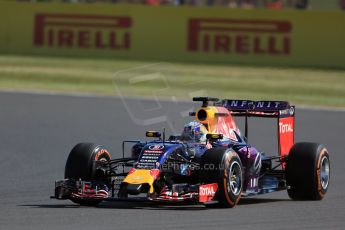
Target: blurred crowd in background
point(277, 4)
point(271, 4)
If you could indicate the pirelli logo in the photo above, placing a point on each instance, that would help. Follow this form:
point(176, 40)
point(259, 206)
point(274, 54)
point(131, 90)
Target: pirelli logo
point(82, 31)
point(233, 36)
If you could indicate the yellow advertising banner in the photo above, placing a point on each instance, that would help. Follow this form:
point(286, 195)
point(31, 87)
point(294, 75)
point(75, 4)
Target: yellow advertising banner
point(183, 34)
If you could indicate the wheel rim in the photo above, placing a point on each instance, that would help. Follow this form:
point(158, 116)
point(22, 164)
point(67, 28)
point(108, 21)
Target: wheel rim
point(324, 172)
point(103, 159)
point(235, 178)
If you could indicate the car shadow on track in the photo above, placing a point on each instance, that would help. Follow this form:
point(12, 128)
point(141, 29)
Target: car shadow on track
point(249, 201)
point(153, 206)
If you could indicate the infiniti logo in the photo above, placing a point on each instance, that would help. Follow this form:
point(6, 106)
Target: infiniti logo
point(156, 147)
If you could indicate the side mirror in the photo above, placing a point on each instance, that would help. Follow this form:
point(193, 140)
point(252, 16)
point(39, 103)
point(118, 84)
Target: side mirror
point(214, 136)
point(153, 134)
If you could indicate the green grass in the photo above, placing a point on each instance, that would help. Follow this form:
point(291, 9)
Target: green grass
point(134, 78)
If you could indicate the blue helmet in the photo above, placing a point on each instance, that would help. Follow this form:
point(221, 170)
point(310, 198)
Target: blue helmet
point(194, 131)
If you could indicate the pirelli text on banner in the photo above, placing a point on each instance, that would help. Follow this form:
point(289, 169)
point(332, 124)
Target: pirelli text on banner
point(237, 36)
point(82, 31)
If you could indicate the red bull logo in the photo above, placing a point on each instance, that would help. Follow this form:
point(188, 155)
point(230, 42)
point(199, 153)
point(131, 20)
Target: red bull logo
point(82, 31)
point(233, 36)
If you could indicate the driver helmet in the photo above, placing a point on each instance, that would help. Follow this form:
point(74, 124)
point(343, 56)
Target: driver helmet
point(194, 131)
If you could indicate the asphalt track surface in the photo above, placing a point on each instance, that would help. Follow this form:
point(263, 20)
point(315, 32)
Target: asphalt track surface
point(38, 131)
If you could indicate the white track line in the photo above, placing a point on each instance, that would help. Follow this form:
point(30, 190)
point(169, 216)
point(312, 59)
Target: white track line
point(90, 95)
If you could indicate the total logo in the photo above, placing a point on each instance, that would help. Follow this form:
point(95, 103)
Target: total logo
point(285, 128)
point(207, 191)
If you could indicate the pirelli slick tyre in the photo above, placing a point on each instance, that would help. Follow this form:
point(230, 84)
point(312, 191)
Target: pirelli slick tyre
point(223, 166)
point(80, 162)
point(80, 165)
point(308, 171)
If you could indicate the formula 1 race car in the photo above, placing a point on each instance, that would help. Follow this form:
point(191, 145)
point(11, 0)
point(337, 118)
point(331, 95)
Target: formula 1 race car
point(210, 163)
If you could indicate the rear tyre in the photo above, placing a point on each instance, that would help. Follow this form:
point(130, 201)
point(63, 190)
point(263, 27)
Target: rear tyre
point(223, 166)
point(80, 165)
point(308, 171)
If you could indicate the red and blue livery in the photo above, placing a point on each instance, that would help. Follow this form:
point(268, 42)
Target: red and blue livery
point(210, 163)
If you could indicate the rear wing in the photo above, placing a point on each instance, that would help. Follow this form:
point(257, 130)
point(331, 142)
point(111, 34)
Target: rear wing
point(281, 110)
point(258, 108)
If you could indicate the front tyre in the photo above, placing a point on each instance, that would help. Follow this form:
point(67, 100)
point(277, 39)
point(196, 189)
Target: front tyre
point(80, 162)
point(308, 171)
point(227, 173)
point(81, 165)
